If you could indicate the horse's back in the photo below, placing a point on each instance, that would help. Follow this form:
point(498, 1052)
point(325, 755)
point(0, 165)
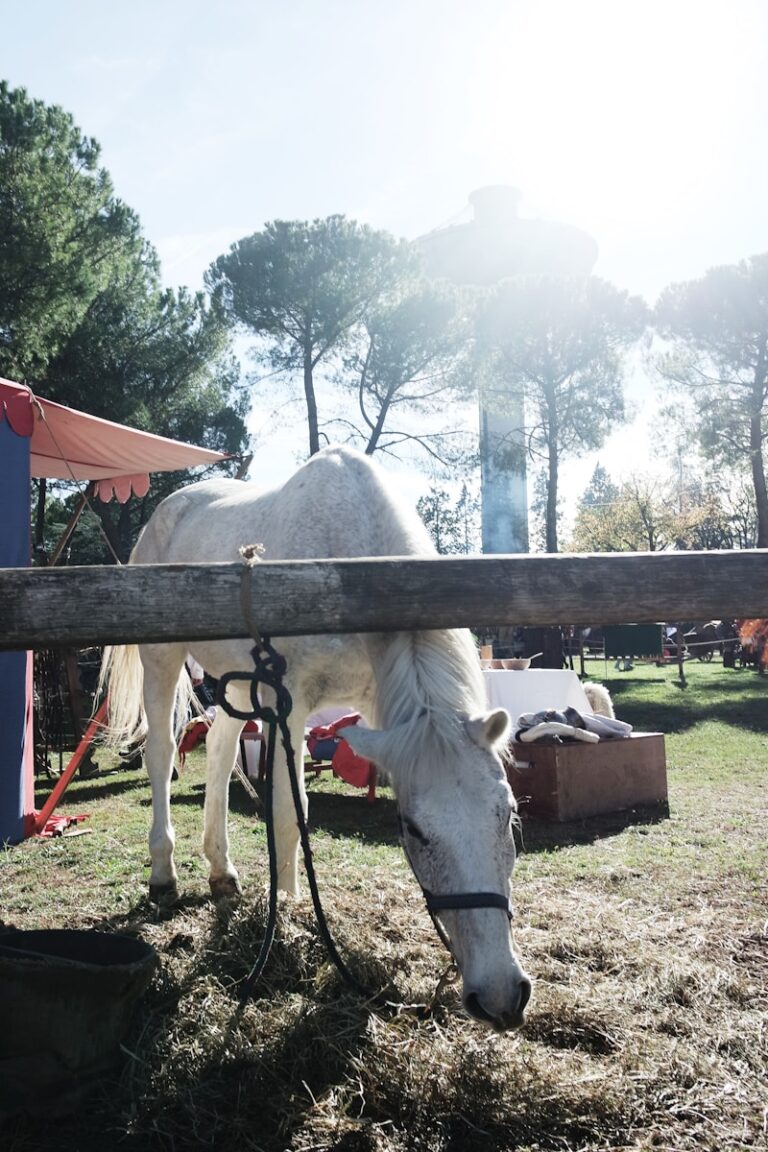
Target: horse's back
point(187, 525)
point(337, 504)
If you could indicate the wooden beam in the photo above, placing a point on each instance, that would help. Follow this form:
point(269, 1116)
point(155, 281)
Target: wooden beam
point(160, 602)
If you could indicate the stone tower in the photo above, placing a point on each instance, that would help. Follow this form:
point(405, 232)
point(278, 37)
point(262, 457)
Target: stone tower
point(493, 246)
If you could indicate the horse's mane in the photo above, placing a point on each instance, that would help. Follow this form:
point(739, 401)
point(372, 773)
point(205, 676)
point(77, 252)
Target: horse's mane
point(428, 682)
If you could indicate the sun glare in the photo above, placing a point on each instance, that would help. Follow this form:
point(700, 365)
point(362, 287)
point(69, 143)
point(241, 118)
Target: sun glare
point(606, 111)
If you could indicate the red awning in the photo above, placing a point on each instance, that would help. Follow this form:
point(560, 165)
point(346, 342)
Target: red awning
point(70, 445)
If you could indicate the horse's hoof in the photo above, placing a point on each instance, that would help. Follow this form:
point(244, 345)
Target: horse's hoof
point(225, 888)
point(164, 895)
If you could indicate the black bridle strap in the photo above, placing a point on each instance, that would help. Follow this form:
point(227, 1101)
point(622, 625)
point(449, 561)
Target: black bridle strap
point(459, 900)
point(269, 670)
point(445, 902)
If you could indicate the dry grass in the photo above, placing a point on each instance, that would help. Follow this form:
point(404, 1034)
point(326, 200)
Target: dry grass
point(647, 939)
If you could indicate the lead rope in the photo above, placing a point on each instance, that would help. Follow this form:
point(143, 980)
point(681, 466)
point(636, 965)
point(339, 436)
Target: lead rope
point(269, 670)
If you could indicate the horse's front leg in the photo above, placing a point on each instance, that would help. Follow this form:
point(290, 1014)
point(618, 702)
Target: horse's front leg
point(221, 748)
point(285, 821)
point(161, 671)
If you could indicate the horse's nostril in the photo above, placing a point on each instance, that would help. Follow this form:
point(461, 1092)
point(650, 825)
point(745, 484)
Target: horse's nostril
point(475, 1008)
point(510, 1017)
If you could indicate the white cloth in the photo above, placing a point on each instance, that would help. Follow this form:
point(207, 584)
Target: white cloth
point(534, 690)
point(569, 724)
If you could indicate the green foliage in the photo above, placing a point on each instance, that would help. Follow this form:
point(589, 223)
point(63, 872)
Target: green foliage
point(640, 518)
point(83, 314)
point(651, 514)
point(717, 357)
point(303, 287)
point(601, 490)
point(559, 343)
point(63, 234)
point(453, 525)
point(156, 360)
point(405, 361)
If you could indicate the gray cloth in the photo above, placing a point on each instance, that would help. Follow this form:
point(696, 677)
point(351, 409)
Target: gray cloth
point(556, 727)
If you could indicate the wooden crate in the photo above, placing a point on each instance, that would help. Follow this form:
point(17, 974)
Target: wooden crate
point(574, 781)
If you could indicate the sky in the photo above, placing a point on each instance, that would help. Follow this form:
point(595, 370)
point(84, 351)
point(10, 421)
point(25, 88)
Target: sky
point(643, 123)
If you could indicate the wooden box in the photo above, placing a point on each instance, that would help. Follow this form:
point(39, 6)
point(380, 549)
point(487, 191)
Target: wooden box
point(574, 781)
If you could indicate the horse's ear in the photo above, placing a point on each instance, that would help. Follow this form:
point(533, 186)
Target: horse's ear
point(366, 742)
point(490, 729)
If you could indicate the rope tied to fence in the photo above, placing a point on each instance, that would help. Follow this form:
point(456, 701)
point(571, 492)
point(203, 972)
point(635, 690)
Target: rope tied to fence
point(269, 669)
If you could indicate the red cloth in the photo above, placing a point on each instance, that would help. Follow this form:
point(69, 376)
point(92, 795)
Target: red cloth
point(57, 825)
point(346, 764)
point(197, 730)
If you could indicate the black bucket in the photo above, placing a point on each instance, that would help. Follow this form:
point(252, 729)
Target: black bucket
point(66, 1002)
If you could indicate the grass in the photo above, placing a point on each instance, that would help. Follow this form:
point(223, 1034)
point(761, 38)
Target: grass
point(647, 939)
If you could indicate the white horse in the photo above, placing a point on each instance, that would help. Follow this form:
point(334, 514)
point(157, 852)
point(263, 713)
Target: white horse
point(438, 743)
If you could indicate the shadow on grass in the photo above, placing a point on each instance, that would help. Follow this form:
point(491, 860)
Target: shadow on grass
point(99, 787)
point(347, 815)
point(264, 1068)
point(335, 813)
point(539, 835)
point(340, 816)
point(685, 712)
point(728, 697)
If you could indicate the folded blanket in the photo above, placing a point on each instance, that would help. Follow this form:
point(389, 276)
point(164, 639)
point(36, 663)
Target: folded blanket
point(555, 727)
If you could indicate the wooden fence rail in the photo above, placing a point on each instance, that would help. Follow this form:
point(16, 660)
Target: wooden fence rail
point(41, 607)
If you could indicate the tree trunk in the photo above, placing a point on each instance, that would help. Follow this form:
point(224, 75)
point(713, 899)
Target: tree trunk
point(553, 641)
point(551, 522)
point(124, 531)
point(102, 510)
point(377, 429)
point(39, 544)
point(309, 395)
point(757, 463)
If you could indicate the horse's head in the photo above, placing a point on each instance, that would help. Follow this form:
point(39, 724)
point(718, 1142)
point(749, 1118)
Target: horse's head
point(456, 814)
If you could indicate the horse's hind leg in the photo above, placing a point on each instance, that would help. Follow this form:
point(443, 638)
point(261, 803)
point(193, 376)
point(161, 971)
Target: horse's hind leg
point(221, 748)
point(162, 665)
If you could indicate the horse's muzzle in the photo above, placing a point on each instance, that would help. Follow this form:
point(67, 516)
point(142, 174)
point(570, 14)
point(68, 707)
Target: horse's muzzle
point(501, 1019)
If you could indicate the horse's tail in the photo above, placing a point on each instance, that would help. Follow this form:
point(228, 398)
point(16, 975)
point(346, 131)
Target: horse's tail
point(122, 677)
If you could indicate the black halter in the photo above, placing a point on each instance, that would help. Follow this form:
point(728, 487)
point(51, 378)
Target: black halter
point(448, 901)
point(467, 900)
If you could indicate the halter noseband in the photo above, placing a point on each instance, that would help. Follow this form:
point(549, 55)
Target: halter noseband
point(466, 900)
point(443, 902)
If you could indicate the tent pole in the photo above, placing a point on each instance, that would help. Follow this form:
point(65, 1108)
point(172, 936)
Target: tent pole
point(42, 817)
point(67, 533)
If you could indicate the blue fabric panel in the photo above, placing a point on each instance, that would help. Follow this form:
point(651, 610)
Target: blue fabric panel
point(15, 732)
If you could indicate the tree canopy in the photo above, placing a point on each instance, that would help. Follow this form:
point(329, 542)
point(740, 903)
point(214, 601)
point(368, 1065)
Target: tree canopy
point(303, 287)
point(157, 360)
point(454, 525)
point(717, 356)
point(83, 315)
point(63, 233)
point(404, 364)
point(656, 513)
